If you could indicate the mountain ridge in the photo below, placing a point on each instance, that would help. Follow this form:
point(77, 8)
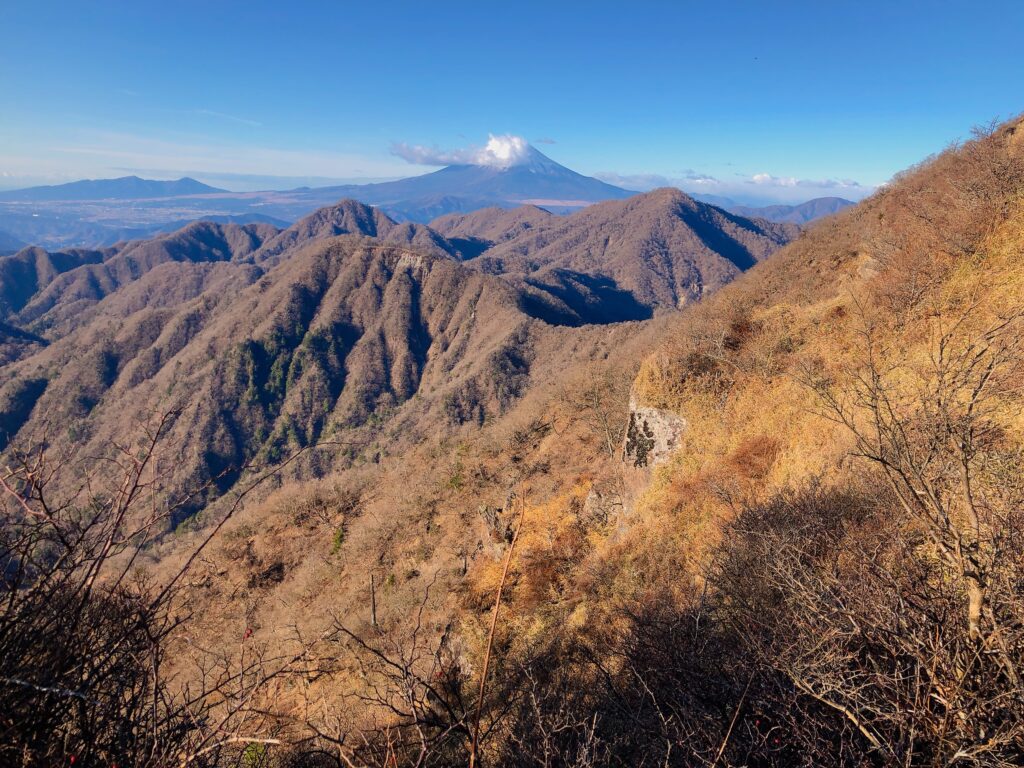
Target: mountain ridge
point(104, 334)
point(121, 188)
point(532, 177)
point(801, 213)
point(663, 504)
point(101, 212)
point(664, 247)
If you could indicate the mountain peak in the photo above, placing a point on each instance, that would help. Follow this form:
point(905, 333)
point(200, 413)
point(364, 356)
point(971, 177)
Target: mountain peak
point(535, 160)
point(669, 193)
point(506, 151)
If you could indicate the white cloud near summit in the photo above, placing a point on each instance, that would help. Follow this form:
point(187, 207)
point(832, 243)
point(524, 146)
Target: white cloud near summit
point(501, 151)
point(643, 182)
point(505, 150)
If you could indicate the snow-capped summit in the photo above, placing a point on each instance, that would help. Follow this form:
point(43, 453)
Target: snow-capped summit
point(508, 170)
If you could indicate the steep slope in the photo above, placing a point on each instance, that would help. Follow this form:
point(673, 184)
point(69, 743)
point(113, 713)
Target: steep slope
point(48, 294)
point(844, 410)
point(807, 451)
point(478, 230)
point(343, 335)
point(663, 248)
point(124, 188)
point(347, 217)
point(612, 565)
point(30, 270)
point(272, 339)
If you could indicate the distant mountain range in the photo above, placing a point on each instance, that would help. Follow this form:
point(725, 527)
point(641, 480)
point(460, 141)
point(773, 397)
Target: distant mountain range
point(800, 213)
point(795, 214)
point(103, 212)
point(124, 188)
point(342, 314)
point(532, 178)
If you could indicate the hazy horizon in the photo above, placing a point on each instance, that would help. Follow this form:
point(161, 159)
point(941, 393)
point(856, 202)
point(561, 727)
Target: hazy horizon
point(775, 103)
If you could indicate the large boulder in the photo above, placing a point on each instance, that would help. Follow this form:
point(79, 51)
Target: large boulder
point(652, 435)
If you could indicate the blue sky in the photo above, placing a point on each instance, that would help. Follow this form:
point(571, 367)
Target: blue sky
point(765, 98)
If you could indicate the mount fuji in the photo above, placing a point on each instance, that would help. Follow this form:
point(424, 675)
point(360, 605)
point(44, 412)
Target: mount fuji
point(507, 172)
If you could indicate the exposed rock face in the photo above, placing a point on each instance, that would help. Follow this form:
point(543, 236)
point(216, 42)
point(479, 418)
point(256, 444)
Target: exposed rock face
point(601, 505)
point(652, 435)
point(500, 521)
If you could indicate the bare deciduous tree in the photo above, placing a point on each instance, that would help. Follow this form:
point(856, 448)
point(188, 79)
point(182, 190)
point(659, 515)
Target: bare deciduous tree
point(84, 634)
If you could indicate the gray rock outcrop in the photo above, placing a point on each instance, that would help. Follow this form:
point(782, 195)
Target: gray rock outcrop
point(652, 435)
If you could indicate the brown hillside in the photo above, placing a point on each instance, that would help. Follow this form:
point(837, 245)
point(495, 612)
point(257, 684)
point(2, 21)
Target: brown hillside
point(57, 306)
point(350, 217)
point(342, 337)
point(664, 248)
point(477, 231)
point(122, 321)
point(703, 585)
point(27, 272)
point(780, 527)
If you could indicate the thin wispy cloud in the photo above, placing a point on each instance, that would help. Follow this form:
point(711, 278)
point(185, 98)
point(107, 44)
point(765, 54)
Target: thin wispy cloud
point(768, 180)
point(751, 189)
point(644, 182)
point(419, 154)
point(248, 182)
point(105, 154)
point(98, 154)
point(225, 116)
